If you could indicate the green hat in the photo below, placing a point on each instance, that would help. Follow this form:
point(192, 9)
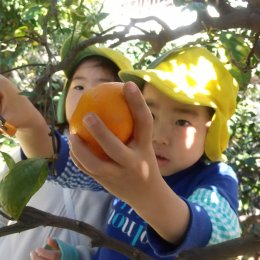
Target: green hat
point(115, 56)
point(194, 76)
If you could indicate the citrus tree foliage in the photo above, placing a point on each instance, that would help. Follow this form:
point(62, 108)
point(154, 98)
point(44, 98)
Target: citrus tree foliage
point(32, 33)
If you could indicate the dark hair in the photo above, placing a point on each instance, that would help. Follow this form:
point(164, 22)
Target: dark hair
point(211, 112)
point(102, 62)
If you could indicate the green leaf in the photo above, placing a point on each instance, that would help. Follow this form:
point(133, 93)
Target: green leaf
point(86, 32)
point(33, 12)
point(21, 31)
point(20, 184)
point(243, 78)
point(236, 50)
point(101, 16)
point(77, 15)
point(68, 3)
point(8, 160)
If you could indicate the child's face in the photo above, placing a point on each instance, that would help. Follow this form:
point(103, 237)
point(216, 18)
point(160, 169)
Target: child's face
point(179, 131)
point(87, 75)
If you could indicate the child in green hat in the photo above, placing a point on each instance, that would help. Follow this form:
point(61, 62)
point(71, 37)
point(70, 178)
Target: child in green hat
point(172, 190)
point(89, 67)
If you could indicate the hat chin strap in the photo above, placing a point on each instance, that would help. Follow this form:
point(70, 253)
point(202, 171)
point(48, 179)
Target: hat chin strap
point(61, 117)
point(217, 138)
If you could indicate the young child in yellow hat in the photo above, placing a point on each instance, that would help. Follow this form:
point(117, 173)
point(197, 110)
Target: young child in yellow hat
point(172, 190)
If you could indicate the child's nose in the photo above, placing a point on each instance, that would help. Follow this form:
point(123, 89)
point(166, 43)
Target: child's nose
point(161, 135)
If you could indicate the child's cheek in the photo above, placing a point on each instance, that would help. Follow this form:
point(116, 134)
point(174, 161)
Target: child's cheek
point(71, 103)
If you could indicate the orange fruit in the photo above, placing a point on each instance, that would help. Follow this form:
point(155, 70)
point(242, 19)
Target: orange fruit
point(108, 102)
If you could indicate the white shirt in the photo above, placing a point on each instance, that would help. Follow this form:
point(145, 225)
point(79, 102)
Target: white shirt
point(51, 198)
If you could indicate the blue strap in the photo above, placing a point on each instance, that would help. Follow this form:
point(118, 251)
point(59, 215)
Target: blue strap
point(68, 252)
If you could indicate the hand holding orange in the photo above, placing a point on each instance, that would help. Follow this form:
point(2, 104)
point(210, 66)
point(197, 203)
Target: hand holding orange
point(108, 102)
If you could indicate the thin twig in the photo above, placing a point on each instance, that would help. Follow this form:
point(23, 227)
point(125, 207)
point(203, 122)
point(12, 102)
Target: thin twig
point(24, 66)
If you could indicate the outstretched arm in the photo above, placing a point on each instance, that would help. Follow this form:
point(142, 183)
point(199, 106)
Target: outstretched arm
point(132, 174)
point(32, 129)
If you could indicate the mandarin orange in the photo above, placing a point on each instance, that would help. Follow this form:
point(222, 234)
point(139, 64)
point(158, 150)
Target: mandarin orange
point(108, 102)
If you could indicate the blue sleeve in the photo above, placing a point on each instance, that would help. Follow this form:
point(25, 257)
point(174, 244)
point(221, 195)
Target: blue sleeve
point(66, 173)
point(212, 221)
point(197, 235)
point(226, 183)
point(225, 222)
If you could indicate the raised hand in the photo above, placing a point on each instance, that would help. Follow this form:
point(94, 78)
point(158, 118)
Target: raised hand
point(14, 108)
point(132, 165)
point(32, 129)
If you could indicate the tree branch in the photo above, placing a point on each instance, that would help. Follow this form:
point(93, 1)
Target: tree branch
point(248, 245)
point(233, 18)
point(221, 6)
point(32, 218)
point(24, 66)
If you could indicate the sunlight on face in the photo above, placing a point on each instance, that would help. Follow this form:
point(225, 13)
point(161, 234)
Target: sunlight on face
point(179, 131)
point(190, 137)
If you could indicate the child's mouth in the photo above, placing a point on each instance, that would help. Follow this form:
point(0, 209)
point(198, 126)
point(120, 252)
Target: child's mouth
point(161, 160)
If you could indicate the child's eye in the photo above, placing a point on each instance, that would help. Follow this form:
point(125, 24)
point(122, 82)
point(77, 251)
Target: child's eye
point(182, 122)
point(78, 87)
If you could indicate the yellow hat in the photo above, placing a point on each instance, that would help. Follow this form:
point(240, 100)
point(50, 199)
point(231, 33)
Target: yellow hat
point(194, 76)
point(114, 56)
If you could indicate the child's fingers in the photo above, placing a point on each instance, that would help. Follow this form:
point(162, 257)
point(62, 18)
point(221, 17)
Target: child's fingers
point(111, 145)
point(73, 155)
point(48, 254)
point(85, 160)
point(45, 254)
point(52, 243)
point(141, 113)
point(34, 256)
